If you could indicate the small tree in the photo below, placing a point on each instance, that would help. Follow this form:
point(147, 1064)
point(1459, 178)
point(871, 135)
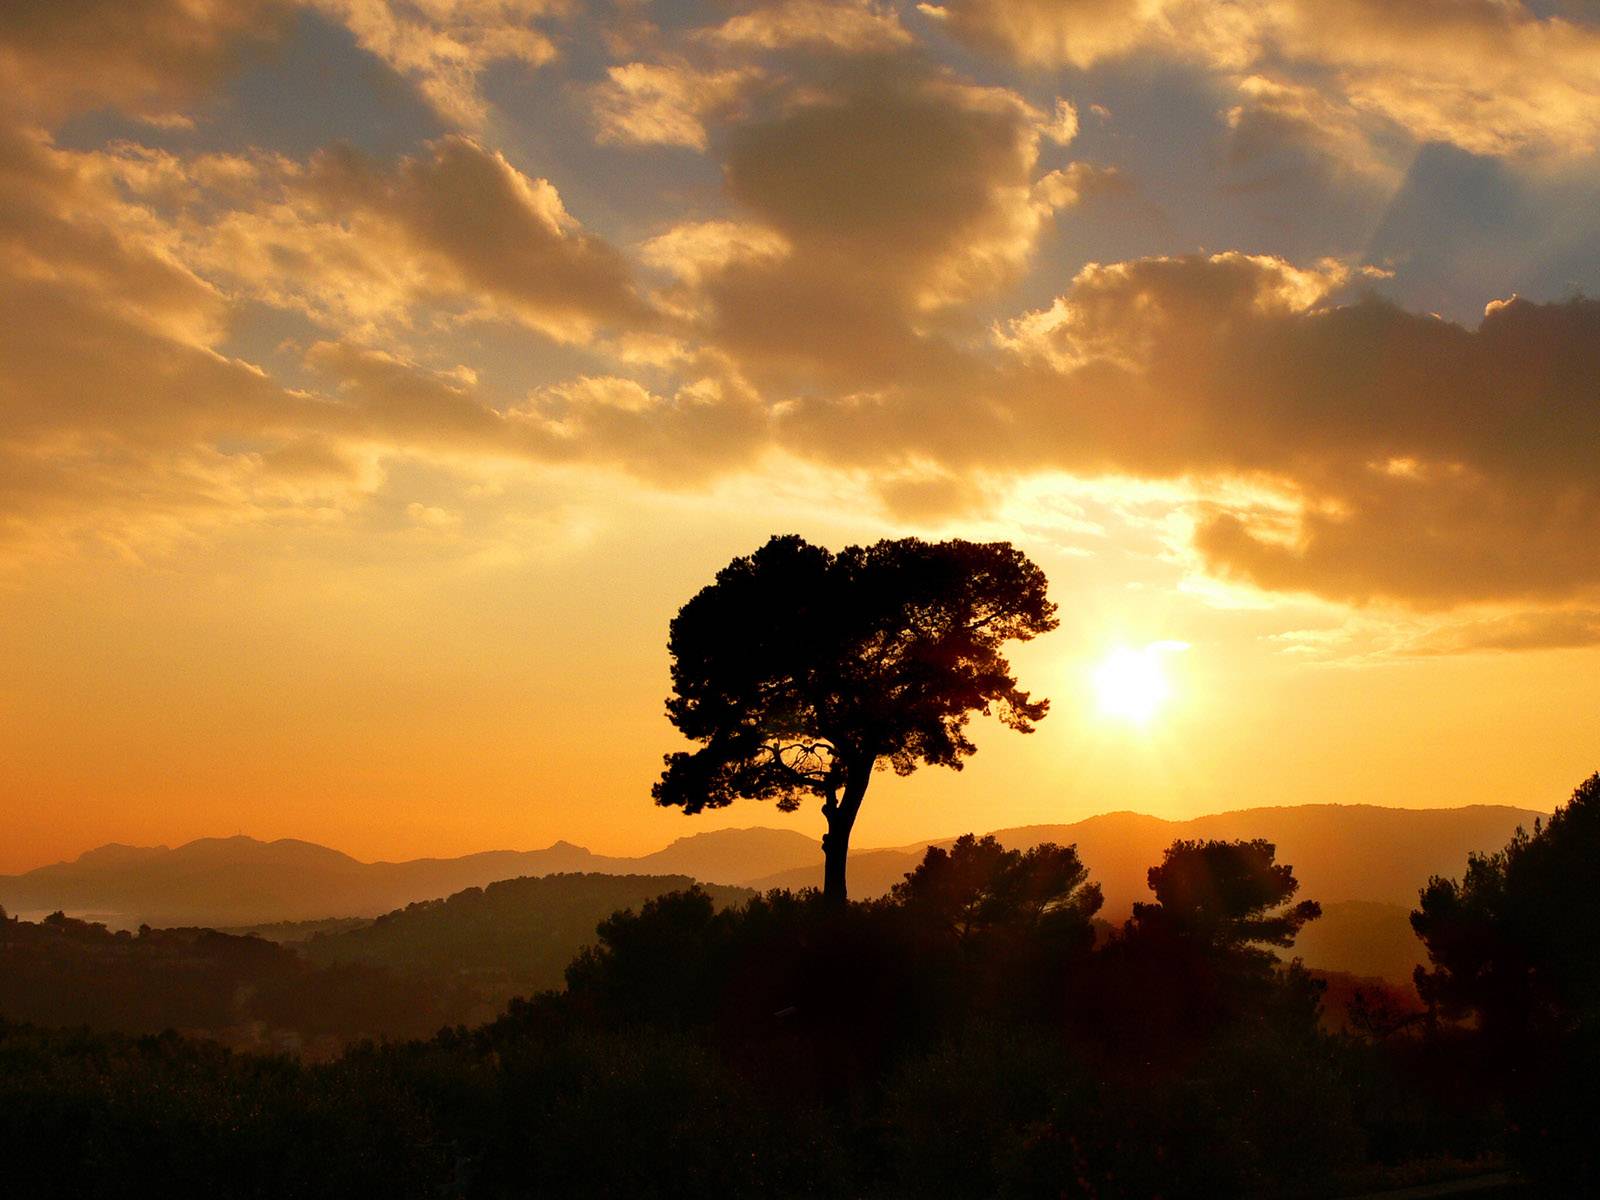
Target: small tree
point(1513, 945)
point(1513, 941)
point(1228, 896)
point(800, 671)
point(978, 885)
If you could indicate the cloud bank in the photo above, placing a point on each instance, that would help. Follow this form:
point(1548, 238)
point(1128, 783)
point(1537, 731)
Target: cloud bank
point(851, 261)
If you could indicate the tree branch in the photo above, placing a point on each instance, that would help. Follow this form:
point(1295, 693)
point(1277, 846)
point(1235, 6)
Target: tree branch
point(809, 752)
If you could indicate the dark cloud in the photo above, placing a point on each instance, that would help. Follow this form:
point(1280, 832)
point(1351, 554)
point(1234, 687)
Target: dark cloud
point(475, 224)
point(146, 56)
point(1408, 459)
point(896, 196)
point(1558, 630)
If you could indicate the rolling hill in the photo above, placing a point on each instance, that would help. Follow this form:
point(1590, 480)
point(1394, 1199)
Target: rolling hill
point(510, 938)
point(1362, 937)
point(241, 882)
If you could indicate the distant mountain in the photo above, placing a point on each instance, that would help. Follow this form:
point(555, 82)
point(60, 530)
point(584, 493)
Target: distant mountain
point(239, 881)
point(732, 855)
point(115, 854)
point(1339, 852)
point(1362, 937)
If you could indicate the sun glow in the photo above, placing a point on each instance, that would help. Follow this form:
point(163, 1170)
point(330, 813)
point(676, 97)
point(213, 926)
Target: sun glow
point(1132, 684)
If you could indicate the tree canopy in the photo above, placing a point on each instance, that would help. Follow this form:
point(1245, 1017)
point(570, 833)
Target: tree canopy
point(1513, 941)
point(799, 671)
point(978, 885)
point(1231, 896)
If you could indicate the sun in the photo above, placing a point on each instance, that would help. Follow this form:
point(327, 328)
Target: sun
point(1132, 684)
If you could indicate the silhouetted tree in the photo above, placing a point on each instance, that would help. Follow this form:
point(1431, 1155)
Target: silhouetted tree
point(1195, 964)
point(1513, 942)
point(1513, 945)
point(799, 671)
point(1227, 896)
point(978, 885)
point(1012, 928)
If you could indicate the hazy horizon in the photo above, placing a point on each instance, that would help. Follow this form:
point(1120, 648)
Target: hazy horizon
point(792, 823)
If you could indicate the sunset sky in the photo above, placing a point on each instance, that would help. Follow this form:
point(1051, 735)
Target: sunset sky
point(377, 378)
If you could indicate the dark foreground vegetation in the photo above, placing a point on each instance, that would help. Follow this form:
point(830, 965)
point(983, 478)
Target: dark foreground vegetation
point(969, 1035)
point(317, 986)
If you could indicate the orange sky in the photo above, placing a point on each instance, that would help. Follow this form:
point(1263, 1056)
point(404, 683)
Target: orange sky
point(377, 379)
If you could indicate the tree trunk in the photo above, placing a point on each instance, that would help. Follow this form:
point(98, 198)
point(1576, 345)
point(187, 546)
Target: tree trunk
point(835, 848)
point(841, 816)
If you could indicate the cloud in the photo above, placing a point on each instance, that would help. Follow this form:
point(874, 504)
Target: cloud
point(1044, 33)
point(840, 292)
point(930, 495)
point(1442, 465)
point(393, 402)
point(933, 181)
point(363, 245)
point(866, 216)
point(446, 46)
point(1388, 456)
point(1282, 131)
point(124, 426)
point(473, 223)
point(841, 25)
point(1121, 311)
point(1364, 636)
point(693, 251)
point(148, 57)
point(93, 300)
point(151, 57)
point(664, 104)
point(707, 427)
point(1489, 77)
point(1515, 632)
point(115, 404)
point(1427, 463)
point(1356, 452)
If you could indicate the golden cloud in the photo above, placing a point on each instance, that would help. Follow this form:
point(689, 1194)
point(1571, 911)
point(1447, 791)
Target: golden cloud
point(147, 56)
point(477, 225)
point(1420, 462)
point(362, 244)
point(1490, 77)
point(868, 214)
point(833, 303)
point(853, 26)
point(664, 104)
point(445, 46)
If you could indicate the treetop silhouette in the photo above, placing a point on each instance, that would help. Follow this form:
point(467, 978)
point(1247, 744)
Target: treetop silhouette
point(1231, 896)
point(978, 885)
point(800, 671)
point(1513, 942)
